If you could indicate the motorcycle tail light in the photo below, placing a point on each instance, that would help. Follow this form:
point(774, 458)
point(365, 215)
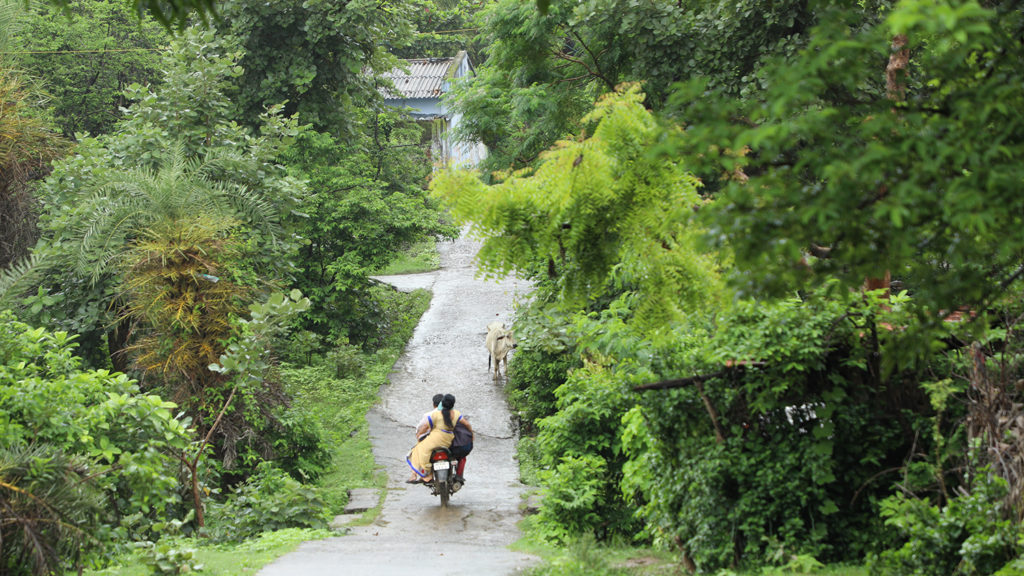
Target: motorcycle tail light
point(438, 456)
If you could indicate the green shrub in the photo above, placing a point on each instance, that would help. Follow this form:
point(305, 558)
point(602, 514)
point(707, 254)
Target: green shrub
point(167, 553)
point(581, 457)
point(269, 500)
point(528, 453)
point(533, 378)
point(300, 447)
point(69, 433)
point(299, 347)
point(345, 360)
point(971, 535)
point(573, 497)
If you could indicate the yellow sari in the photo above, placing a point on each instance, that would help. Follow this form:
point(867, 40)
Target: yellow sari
point(440, 436)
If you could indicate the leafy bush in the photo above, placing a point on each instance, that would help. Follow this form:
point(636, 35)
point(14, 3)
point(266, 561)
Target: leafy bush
point(971, 535)
point(346, 360)
point(528, 453)
point(533, 378)
point(300, 448)
point(574, 495)
point(169, 555)
point(91, 433)
point(299, 347)
point(269, 500)
point(581, 457)
point(789, 458)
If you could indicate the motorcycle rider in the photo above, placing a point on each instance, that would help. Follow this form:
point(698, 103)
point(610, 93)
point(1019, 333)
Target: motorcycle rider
point(442, 431)
point(424, 426)
point(462, 444)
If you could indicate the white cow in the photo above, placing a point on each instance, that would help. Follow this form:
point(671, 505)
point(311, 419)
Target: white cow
point(499, 342)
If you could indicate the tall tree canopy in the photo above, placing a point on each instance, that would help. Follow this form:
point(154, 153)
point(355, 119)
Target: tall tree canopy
point(835, 141)
point(86, 55)
point(891, 142)
point(316, 57)
point(544, 69)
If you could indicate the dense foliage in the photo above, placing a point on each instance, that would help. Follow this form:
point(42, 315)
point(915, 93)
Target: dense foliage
point(26, 145)
point(442, 28)
point(316, 58)
point(85, 56)
point(85, 457)
point(365, 204)
point(764, 429)
point(704, 366)
point(165, 242)
point(544, 68)
point(872, 162)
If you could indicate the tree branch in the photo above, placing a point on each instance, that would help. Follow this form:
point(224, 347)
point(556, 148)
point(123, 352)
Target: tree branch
point(698, 381)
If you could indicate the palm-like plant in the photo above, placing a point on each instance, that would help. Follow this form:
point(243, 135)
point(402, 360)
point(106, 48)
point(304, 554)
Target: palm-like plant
point(47, 503)
point(121, 207)
point(98, 216)
point(183, 310)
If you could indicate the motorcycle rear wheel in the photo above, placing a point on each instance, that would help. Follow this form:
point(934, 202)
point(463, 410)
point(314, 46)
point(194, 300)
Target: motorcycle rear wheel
point(444, 490)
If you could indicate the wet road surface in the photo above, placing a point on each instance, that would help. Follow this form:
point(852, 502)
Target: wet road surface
point(446, 354)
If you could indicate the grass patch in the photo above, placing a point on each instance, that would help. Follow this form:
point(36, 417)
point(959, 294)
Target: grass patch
point(250, 556)
point(587, 557)
point(225, 559)
point(340, 405)
point(420, 257)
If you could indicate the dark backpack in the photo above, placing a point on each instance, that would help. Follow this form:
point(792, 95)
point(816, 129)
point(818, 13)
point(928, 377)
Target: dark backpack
point(463, 438)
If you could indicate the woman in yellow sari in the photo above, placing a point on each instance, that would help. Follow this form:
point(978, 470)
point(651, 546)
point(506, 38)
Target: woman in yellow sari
point(442, 431)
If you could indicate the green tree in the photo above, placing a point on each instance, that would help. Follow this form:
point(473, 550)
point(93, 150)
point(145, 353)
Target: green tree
point(316, 57)
point(545, 68)
point(26, 147)
point(443, 27)
point(106, 213)
point(161, 165)
point(86, 55)
point(766, 427)
point(604, 187)
point(367, 202)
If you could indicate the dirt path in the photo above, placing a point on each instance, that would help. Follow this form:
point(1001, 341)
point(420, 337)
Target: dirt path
point(445, 355)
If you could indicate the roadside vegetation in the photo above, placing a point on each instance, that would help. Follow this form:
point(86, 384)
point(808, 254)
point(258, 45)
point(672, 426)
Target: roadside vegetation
point(420, 257)
point(778, 270)
point(189, 334)
point(332, 393)
point(776, 250)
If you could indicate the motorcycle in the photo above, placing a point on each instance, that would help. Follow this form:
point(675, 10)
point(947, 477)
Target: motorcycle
point(444, 482)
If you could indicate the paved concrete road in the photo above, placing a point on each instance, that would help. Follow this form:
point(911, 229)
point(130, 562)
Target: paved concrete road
point(413, 534)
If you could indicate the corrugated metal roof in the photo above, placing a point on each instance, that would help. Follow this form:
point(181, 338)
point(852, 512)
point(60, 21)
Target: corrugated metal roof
point(425, 78)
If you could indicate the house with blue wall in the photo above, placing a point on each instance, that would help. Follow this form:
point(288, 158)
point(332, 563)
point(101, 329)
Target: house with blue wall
point(420, 84)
